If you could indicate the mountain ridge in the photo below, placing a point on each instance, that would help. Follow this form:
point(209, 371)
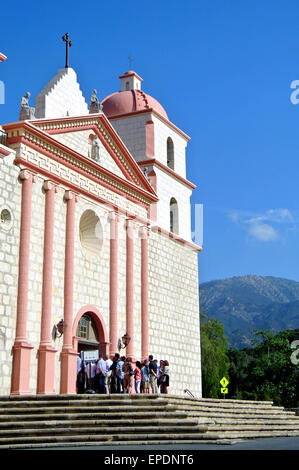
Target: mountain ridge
point(245, 303)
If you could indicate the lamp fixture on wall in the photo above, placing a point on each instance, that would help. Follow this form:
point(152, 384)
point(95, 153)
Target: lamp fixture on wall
point(58, 329)
point(124, 341)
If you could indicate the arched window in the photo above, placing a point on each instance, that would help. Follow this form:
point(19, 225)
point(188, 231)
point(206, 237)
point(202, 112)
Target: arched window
point(87, 332)
point(174, 216)
point(170, 153)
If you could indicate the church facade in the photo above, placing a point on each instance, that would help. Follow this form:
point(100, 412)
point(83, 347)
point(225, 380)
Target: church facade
point(95, 238)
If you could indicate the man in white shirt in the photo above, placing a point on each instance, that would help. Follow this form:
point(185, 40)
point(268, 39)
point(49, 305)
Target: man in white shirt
point(108, 374)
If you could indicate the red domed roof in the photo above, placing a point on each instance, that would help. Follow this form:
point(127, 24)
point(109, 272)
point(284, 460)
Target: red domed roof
point(123, 102)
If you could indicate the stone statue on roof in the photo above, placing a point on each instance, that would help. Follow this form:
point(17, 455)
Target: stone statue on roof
point(95, 106)
point(26, 112)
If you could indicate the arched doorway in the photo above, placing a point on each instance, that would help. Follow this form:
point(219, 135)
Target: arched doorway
point(90, 340)
point(87, 334)
point(89, 331)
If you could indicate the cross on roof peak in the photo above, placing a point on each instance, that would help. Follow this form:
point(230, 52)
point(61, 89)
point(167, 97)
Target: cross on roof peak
point(68, 44)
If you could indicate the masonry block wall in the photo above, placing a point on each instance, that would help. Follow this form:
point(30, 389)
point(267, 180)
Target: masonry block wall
point(10, 200)
point(173, 297)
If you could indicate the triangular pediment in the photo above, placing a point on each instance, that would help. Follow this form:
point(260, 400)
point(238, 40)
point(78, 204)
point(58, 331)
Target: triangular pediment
point(94, 138)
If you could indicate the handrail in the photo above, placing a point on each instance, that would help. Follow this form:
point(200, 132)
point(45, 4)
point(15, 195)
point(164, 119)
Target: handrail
point(190, 393)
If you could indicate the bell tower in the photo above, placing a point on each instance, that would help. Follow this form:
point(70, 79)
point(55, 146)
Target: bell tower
point(130, 81)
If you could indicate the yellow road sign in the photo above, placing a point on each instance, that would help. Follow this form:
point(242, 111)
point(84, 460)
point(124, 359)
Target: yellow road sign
point(224, 382)
point(224, 390)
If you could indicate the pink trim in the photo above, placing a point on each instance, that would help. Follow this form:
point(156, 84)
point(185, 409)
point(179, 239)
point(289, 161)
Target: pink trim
point(130, 286)
point(49, 189)
point(69, 267)
point(131, 73)
point(24, 255)
point(144, 294)
point(80, 190)
point(104, 120)
point(21, 348)
point(4, 152)
point(68, 356)
point(73, 187)
point(113, 295)
point(156, 162)
point(2, 57)
point(150, 139)
point(150, 196)
point(97, 318)
point(46, 353)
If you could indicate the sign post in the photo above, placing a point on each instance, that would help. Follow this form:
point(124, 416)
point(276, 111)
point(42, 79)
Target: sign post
point(224, 382)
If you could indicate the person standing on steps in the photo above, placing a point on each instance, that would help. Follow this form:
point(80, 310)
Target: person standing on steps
point(108, 374)
point(137, 376)
point(145, 377)
point(114, 375)
point(164, 379)
point(120, 375)
point(153, 369)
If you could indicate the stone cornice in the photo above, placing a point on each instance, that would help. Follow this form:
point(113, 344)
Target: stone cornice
point(40, 141)
point(108, 136)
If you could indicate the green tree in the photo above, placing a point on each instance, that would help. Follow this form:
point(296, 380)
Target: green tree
point(214, 361)
point(266, 372)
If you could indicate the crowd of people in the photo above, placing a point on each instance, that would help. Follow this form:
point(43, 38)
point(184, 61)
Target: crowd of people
point(121, 375)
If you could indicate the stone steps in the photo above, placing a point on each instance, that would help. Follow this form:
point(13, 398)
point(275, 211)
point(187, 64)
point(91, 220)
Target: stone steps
point(112, 416)
point(98, 430)
point(91, 422)
point(47, 421)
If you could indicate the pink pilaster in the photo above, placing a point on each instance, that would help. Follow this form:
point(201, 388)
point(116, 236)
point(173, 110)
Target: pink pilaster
point(144, 292)
point(113, 329)
point(68, 355)
point(130, 286)
point(21, 347)
point(46, 352)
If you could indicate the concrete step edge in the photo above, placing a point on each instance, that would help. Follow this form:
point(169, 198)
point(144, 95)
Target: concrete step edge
point(90, 422)
point(113, 443)
point(30, 397)
point(78, 416)
point(91, 430)
point(117, 438)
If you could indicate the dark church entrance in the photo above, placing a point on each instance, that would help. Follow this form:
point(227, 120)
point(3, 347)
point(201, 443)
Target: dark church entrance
point(88, 348)
point(88, 337)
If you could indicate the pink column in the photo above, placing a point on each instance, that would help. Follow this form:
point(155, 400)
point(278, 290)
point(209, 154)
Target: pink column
point(21, 347)
point(113, 330)
point(68, 356)
point(130, 286)
point(144, 292)
point(46, 352)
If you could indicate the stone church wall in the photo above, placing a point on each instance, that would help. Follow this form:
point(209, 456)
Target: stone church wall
point(10, 200)
point(174, 311)
point(162, 132)
point(168, 188)
point(173, 288)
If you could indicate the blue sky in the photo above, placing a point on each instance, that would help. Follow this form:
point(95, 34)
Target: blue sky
point(223, 71)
